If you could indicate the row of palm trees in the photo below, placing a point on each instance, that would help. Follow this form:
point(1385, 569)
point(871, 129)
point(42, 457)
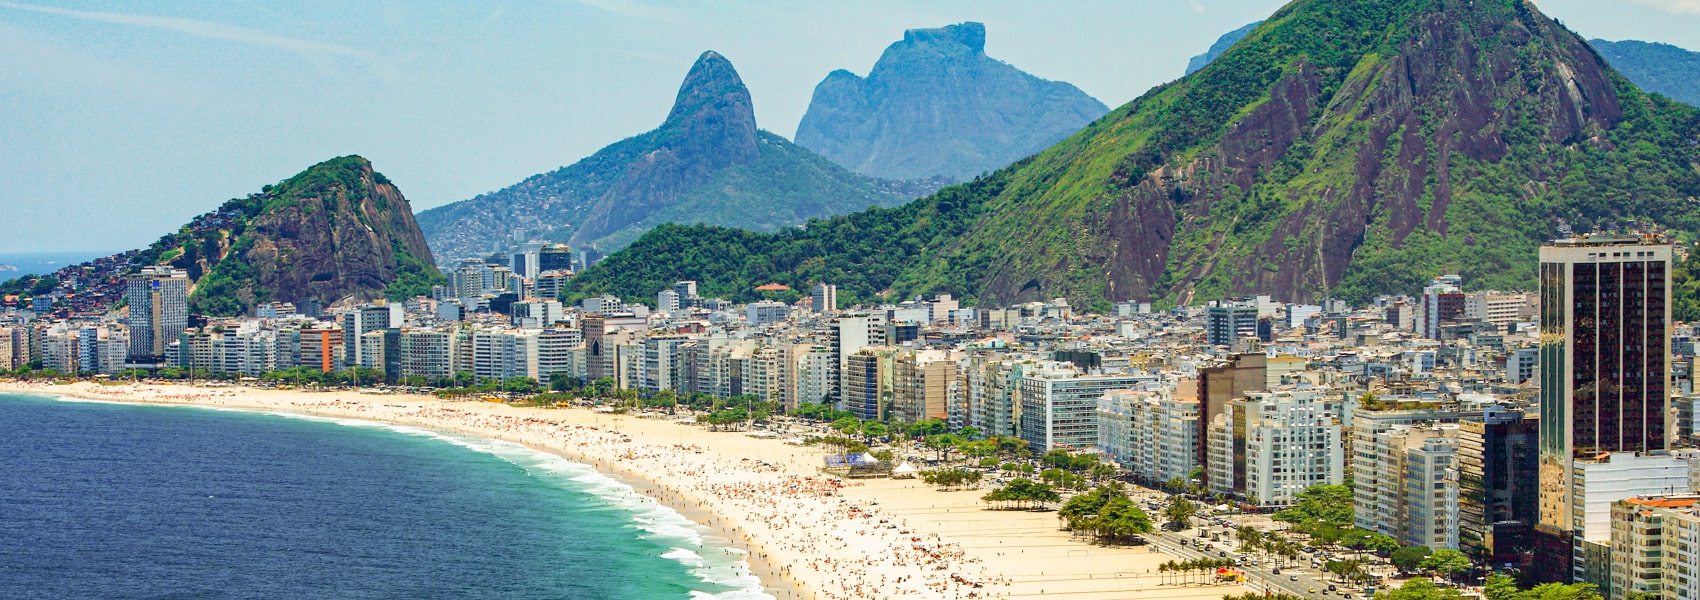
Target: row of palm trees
point(1197, 570)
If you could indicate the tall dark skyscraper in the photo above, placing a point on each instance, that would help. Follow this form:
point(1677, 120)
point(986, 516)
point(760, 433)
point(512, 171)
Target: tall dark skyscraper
point(1605, 321)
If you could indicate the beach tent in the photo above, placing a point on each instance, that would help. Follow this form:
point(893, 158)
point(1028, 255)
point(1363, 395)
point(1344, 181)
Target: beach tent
point(904, 471)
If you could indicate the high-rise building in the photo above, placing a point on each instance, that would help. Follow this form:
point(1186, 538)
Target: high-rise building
point(766, 312)
point(1443, 304)
point(1228, 321)
point(159, 309)
point(867, 382)
point(356, 323)
point(1604, 374)
point(554, 257)
point(667, 302)
point(1059, 405)
point(1497, 497)
point(1220, 384)
point(1150, 433)
point(319, 348)
point(1269, 446)
point(823, 297)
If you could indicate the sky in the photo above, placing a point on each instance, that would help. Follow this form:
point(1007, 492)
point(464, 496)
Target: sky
point(120, 121)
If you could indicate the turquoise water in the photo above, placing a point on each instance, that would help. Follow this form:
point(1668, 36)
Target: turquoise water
point(103, 500)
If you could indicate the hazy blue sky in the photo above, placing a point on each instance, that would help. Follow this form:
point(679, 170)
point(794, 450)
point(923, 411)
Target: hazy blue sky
point(120, 120)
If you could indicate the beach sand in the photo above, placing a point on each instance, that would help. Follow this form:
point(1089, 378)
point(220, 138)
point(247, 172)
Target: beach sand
point(808, 535)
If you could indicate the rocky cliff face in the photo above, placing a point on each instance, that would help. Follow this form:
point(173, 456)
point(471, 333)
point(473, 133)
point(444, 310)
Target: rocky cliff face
point(936, 105)
point(1446, 135)
point(1342, 149)
point(707, 163)
point(337, 230)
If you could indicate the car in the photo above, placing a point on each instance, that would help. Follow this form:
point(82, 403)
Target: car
point(1331, 587)
point(1292, 578)
point(1312, 590)
point(1325, 592)
point(1347, 595)
point(1275, 570)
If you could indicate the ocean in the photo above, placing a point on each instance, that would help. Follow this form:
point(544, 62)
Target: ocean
point(105, 500)
point(42, 263)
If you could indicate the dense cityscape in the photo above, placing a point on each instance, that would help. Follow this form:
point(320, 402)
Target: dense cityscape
point(1430, 408)
point(1377, 300)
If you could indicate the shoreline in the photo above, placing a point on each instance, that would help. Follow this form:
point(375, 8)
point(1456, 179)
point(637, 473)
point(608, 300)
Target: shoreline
point(803, 535)
point(772, 580)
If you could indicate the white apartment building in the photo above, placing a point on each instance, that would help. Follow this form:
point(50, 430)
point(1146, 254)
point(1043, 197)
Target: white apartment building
point(1269, 446)
point(1059, 405)
point(1151, 433)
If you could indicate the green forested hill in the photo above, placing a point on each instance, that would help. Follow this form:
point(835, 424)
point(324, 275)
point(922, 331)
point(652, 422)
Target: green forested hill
point(1341, 149)
point(335, 230)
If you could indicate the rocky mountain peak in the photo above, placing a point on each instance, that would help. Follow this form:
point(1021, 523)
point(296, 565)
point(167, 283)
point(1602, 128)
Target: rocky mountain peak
point(713, 114)
point(936, 106)
point(962, 38)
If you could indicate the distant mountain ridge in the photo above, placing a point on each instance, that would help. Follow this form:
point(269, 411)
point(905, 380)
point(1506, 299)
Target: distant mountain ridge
point(707, 163)
point(1662, 68)
point(1342, 149)
point(1222, 45)
point(935, 105)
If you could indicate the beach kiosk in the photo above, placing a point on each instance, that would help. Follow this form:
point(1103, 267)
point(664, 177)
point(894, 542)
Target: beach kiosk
point(904, 471)
point(855, 466)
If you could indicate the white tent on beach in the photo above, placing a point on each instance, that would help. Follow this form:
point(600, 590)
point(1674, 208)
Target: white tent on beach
point(904, 471)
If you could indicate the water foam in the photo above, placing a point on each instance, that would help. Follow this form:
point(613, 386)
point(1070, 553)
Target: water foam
point(711, 560)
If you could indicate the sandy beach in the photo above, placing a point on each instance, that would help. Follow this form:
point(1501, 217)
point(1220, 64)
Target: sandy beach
point(808, 535)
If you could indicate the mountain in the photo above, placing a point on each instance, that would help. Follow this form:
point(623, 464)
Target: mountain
point(1342, 149)
point(707, 163)
point(1654, 67)
point(336, 230)
point(1660, 68)
point(936, 105)
point(1222, 45)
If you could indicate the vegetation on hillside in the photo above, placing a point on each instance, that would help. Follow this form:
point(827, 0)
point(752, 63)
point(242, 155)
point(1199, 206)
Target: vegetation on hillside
point(1160, 200)
point(862, 253)
point(1658, 68)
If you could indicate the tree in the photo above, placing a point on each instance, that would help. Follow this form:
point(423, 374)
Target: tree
point(1420, 588)
point(1502, 587)
point(942, 443)
point(1102, 471)
point(1178, 514)
point(1410, 558)
point(1381, 544)
point(562, 382)
point(1024, 493)
point(1448, 562)
point(971, 432)
point(1324, 504)
point(928, 427)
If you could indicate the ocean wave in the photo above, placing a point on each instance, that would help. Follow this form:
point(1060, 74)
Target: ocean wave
point(711, 559)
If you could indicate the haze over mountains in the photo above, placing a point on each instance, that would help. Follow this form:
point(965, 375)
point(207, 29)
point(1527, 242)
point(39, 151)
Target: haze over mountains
point(936, 105)
point(1662, 68)
point(1435, 137)
point(707, 163)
